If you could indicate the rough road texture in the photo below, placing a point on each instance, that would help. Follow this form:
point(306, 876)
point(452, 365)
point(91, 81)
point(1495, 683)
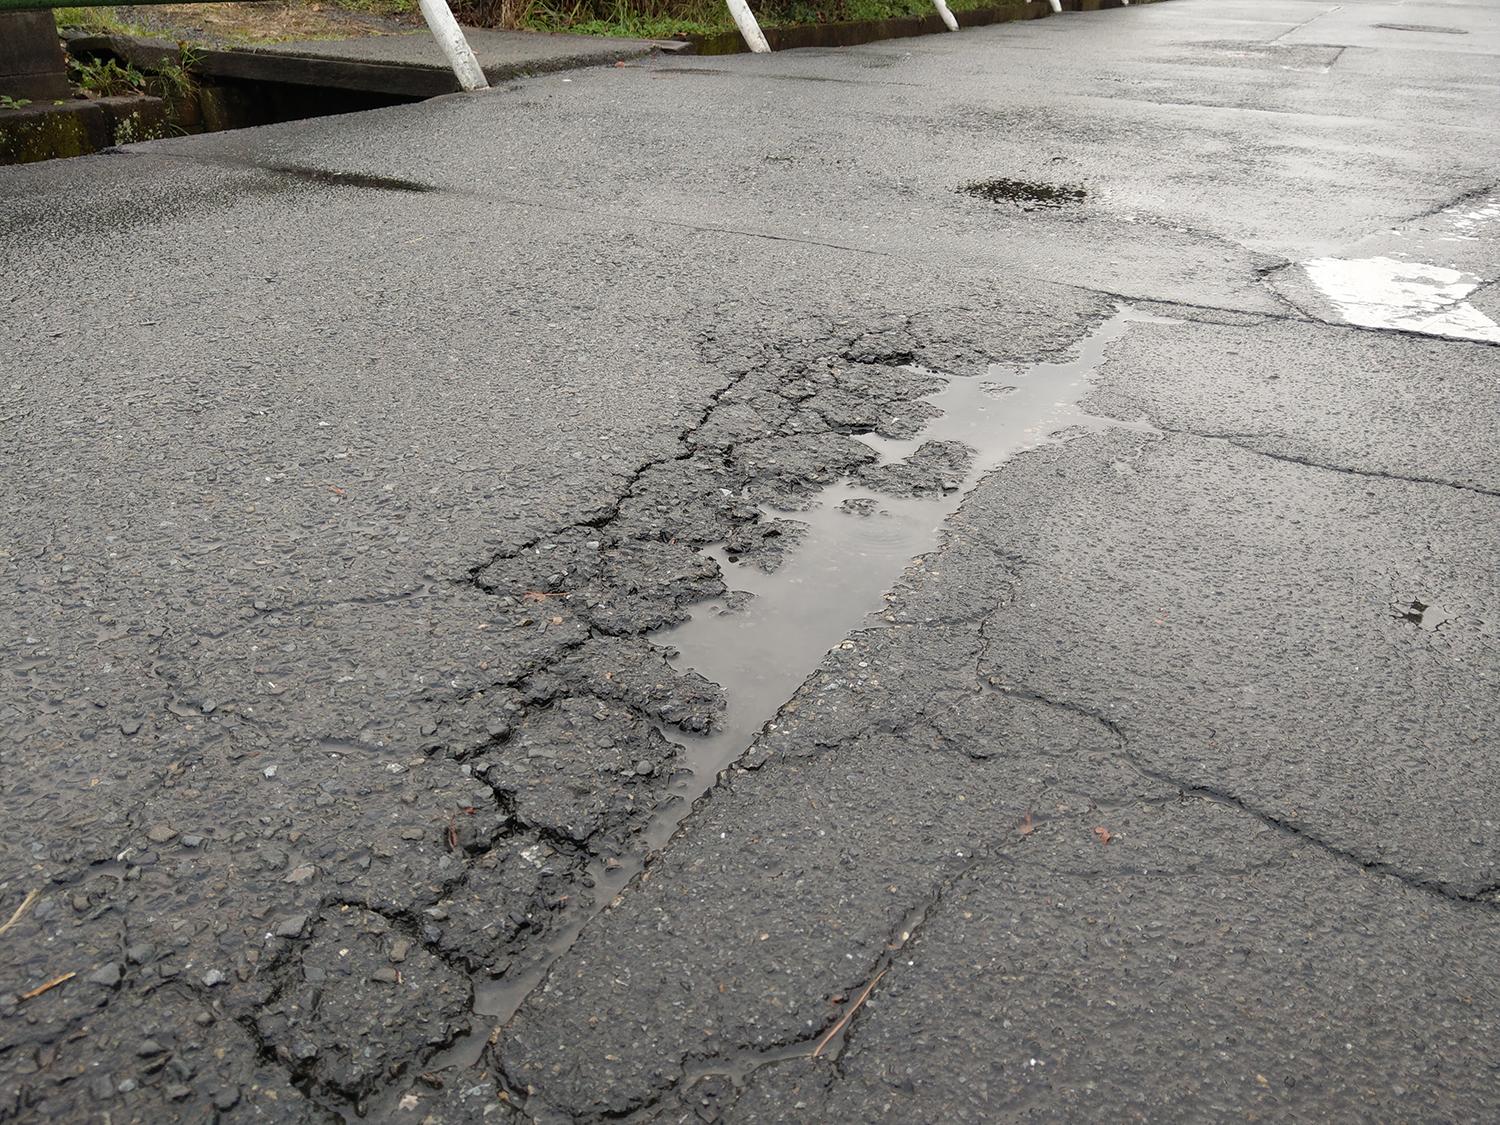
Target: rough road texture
point(341, 515)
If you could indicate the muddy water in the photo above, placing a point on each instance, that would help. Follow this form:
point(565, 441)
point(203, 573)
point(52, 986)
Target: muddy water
point(830, 585)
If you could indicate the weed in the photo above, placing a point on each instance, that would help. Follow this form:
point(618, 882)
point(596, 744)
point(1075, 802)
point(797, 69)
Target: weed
point(103, 20)
point(106, 78)
point(663, 19)
point(8, 102)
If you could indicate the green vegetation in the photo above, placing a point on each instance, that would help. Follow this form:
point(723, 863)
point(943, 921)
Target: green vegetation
point(662, 19)
point(8, 102)
point(639, 19)
point(378, 7)
point(106, 77)
point(105, 21)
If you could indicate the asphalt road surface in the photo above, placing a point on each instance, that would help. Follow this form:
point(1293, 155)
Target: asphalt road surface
point(945, 581)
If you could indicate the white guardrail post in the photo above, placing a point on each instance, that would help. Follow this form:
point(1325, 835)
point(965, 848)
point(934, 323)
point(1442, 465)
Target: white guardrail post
point(451, 41)
point(946, 13)
point(744, 19)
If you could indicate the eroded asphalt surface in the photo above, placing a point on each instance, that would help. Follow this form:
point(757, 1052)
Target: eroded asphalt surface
point(351, 464)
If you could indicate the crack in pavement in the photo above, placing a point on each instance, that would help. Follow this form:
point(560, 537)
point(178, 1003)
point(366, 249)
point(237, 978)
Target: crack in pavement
point(1234, 439)
point(1484, 897)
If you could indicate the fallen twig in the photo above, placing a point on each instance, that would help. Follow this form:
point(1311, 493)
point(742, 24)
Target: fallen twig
point(41, 988)
point(31, 896)
point(844, 1019)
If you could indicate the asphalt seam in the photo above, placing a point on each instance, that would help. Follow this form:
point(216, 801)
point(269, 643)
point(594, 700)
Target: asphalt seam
point(1483, 897)
point(1237, 440)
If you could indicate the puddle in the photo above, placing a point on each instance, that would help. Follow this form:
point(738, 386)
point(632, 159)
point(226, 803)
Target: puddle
point(1026, 194)
point(856, 545)
point(1423, 615)
point(1410, 296)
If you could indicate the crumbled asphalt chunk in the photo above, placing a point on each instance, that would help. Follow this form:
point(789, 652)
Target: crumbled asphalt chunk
point(511, 894)
point(786, 471)
point(935, 466)
point(556, 771)
point(638, 675)
point(339, 1027)
point(765, 543)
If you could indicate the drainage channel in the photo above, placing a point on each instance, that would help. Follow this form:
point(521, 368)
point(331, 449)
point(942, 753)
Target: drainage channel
point(857, 543)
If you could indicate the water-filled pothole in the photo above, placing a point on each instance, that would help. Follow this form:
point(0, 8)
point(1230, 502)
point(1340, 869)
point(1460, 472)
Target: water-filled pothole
point(1026, 194)
point(853, 546)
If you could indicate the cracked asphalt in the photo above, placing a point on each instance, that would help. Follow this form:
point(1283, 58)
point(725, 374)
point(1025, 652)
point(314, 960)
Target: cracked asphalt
point(353, 468)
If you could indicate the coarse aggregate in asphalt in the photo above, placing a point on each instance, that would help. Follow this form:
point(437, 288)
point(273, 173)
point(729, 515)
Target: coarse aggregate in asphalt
point(358, 470)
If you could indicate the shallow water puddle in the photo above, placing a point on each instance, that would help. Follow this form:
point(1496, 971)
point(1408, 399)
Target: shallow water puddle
point(830, 584)
point(845, 562)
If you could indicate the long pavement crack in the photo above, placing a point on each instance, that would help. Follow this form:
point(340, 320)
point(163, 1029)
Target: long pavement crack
point(1484, 897)
point(1238, 440)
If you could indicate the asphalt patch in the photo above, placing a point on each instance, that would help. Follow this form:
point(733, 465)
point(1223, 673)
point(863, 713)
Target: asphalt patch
point(1027, 194)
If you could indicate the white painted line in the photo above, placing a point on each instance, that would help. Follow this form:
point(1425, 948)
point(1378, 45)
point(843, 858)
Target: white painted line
point(1410, 296)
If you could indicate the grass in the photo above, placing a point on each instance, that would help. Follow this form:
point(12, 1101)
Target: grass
point(663, 19)
point(108, 78)
point(247, 22)
point(636, 19)
point(106, 21)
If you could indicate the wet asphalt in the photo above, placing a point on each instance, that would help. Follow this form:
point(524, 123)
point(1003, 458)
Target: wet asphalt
point(358, 472)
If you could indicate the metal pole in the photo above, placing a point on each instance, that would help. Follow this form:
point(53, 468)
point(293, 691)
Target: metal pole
point(744, 19)
point(451, 41)
point(947, 14)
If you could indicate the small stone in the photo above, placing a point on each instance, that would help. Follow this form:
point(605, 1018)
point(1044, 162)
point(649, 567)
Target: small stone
point(213, 978)
point(411, 833)
point(148, 1047)
point(291, 927)
point(139, 953)
point(129, 727)
point(399, 949)
point(644, 768)
point(126, 1086)
point(269, 771)
point(386, 975)
point(301, 875)
point(305, 1050)
point(102, 1086)
point(178, 1092)
point(227, 1098)
point(192, 841)
point(106, 975)
point(161, 834)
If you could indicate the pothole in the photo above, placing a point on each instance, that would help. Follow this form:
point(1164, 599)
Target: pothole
point(1026, 194)
point(761, 639)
